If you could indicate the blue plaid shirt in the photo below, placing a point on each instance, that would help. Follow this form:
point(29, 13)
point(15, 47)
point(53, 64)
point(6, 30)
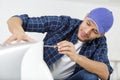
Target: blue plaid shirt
point(61, 28)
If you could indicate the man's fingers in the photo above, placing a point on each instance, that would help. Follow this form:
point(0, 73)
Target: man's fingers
point(67, 48)
point(28, 39)
point(64, 43)
point(18, 39)
point(10, 39)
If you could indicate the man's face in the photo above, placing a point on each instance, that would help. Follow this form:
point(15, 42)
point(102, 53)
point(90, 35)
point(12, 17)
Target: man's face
point(88, 30)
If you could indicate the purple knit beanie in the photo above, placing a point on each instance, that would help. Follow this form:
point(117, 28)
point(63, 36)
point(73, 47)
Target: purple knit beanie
point(103, 18)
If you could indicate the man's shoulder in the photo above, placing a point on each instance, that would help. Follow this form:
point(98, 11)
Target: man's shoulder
point(70, 17)
point(102, 39)
point(97, 41)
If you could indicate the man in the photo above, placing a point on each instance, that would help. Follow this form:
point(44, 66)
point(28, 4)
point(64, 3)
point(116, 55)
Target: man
point(80, 51)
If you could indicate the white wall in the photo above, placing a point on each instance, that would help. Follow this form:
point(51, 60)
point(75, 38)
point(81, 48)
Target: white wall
point(73, 8)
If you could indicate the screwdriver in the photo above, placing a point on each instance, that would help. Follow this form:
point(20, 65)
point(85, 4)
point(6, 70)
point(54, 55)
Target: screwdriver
point(54, 46)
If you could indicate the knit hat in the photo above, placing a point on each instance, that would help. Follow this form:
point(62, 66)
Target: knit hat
point(103, 18)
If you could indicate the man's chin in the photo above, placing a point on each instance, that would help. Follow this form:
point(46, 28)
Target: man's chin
point(85, 40)
point(81, 39)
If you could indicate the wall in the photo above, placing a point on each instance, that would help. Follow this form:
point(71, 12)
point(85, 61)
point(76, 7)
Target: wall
point(73, 8)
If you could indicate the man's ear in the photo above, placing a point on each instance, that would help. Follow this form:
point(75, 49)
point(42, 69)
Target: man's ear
point(103, 34)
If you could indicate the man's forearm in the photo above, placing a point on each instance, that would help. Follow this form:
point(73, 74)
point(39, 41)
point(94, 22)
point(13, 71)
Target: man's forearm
point(95, 67)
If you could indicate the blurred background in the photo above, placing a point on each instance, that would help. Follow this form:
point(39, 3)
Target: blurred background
point(73, 8)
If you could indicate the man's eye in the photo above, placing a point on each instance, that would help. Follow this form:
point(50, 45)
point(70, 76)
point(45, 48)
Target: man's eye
point(88, 23)
point(95, 31)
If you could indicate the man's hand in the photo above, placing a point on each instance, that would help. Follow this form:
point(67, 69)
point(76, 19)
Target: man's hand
point(67, 48)
point(19, 38)
point(18, 34)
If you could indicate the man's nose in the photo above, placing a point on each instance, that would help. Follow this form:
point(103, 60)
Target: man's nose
point(88, 30)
